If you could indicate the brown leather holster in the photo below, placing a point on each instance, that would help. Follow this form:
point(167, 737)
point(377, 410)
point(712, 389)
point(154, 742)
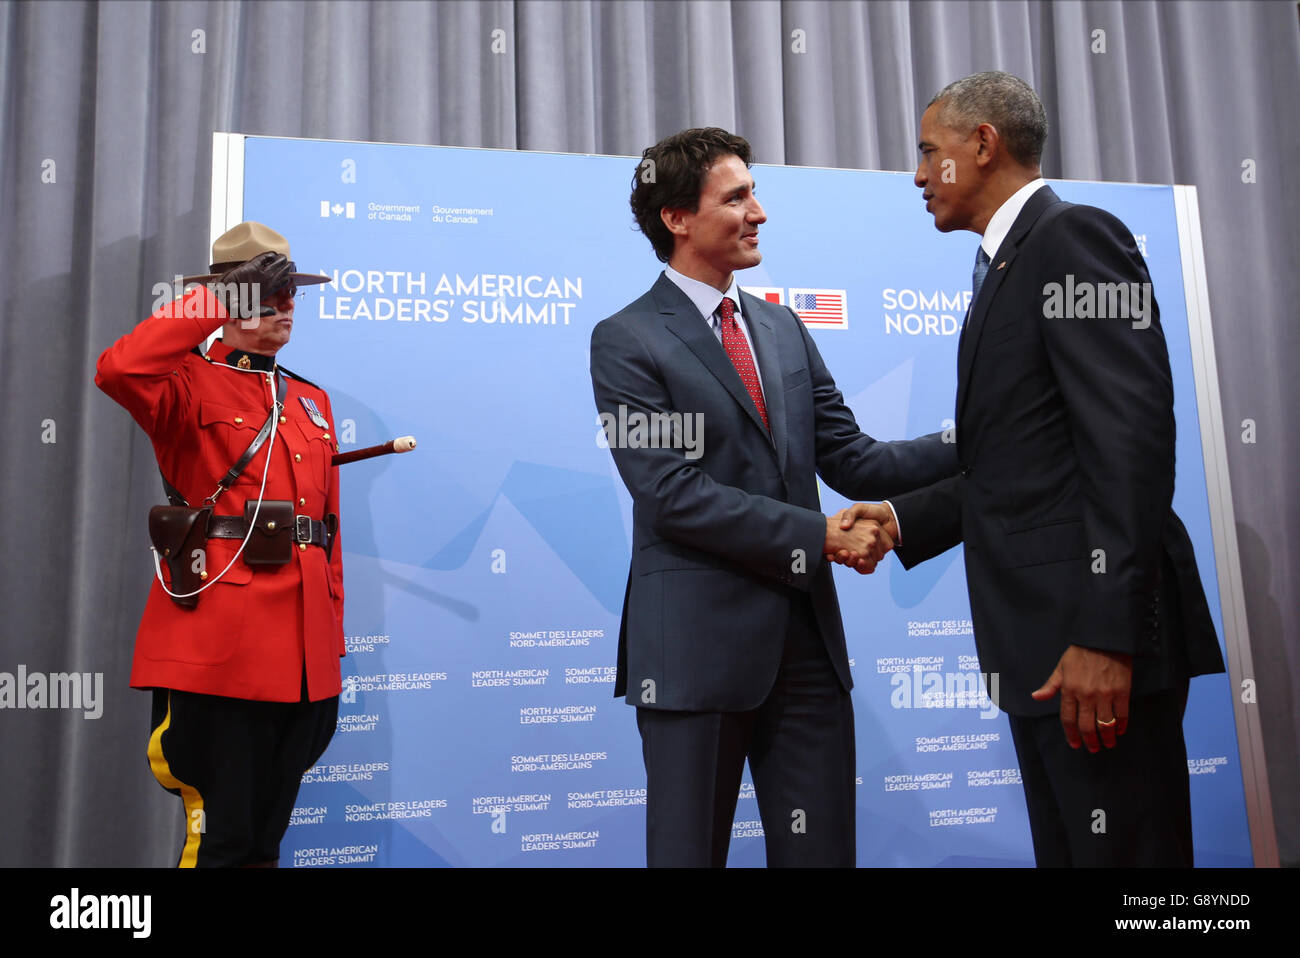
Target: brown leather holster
point(178, 532)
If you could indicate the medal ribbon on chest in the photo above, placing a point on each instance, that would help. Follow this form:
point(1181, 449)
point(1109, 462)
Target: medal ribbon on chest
point(313, 411)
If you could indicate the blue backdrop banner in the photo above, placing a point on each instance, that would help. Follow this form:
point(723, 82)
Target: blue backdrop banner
point(484, 571)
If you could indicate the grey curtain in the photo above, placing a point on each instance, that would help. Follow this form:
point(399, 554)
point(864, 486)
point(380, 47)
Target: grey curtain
point(106, 115)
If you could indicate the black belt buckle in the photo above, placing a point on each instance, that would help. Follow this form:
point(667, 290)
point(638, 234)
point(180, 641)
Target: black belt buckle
point(302, 528)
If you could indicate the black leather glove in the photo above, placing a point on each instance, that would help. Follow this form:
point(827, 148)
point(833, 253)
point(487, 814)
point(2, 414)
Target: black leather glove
point(270, 271)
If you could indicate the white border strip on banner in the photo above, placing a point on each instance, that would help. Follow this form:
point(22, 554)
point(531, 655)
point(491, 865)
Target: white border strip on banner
point(227, 183)
point(1227, 560)
point(227, 190)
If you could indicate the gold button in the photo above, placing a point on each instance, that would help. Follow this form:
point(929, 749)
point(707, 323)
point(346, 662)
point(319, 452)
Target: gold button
point(327, 435)
point(284, 419)
point(270, 526)
point(239, 419)
point(203, 575)
point(302, 502)
point(302, 546)
point(297, 457)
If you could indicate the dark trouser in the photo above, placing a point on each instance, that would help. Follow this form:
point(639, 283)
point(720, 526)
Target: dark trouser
point(800, 748)
point(237, 765)
point(1127, 806)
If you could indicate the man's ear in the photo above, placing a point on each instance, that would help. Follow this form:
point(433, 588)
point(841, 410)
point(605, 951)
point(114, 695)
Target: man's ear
point(674, 219)
point(989, 144)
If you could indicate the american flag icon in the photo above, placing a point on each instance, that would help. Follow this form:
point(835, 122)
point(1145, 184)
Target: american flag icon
point(821, 308)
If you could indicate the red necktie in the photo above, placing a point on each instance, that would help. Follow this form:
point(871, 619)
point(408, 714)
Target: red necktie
point(733, 341)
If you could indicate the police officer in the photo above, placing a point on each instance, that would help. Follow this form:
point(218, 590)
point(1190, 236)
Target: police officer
point(243, 629)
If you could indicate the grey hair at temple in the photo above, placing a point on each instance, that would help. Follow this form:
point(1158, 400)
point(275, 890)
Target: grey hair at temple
point(1007, 102)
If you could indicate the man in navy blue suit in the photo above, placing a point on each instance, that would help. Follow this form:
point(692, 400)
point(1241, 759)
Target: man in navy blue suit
point(1084, 592)
point(731, 645)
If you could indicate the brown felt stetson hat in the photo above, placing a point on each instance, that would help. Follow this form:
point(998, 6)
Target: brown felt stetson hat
point(241, 243)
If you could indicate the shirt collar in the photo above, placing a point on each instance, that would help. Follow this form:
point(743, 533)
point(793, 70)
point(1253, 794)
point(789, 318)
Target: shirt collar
point(705, 297)
point(1000, 223)
point(219, 352)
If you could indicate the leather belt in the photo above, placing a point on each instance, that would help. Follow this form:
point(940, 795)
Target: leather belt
point(305, 529)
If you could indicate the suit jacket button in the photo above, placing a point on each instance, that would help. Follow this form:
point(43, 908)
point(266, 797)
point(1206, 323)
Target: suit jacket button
point(965, 472)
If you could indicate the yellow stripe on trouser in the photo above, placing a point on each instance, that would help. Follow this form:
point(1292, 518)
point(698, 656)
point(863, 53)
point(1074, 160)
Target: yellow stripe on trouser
point(189, 794)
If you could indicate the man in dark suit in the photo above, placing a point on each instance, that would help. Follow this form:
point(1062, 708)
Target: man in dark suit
point(720, 414)
point(1082, 580)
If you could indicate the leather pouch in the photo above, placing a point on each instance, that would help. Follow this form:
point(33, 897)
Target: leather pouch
point(272, 540)
point(177, 532)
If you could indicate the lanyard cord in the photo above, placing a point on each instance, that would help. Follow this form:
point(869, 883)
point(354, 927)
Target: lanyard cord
point(276, 408)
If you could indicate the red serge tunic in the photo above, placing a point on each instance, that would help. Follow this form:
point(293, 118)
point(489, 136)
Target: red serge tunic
point(254, 631)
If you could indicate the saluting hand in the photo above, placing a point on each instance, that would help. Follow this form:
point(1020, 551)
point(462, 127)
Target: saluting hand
point(266, 274)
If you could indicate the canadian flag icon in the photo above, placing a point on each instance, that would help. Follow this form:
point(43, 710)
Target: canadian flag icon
point(346, 210)
point(773, 294)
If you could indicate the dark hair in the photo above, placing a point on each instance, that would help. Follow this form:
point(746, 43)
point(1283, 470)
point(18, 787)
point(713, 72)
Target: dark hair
point(672, 172)
point(1006, 101)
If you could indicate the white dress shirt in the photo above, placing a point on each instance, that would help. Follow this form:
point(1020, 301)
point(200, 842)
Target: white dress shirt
point(708, 301)
point(1000, 223)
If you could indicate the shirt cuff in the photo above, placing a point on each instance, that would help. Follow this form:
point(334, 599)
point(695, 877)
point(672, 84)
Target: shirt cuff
point(898, 525)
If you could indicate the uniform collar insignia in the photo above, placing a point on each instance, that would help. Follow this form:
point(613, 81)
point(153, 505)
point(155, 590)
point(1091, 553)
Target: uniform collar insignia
point(221, 353)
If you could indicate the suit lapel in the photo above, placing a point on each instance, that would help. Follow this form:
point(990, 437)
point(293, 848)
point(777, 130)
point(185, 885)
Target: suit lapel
point(769, 364)
point(999, 268)
point(683, 320)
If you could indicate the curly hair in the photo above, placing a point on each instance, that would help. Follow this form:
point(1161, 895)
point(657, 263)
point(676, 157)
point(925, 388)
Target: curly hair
point(672, 173)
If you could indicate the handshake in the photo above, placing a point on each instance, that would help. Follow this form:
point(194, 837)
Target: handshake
point(860, 535)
